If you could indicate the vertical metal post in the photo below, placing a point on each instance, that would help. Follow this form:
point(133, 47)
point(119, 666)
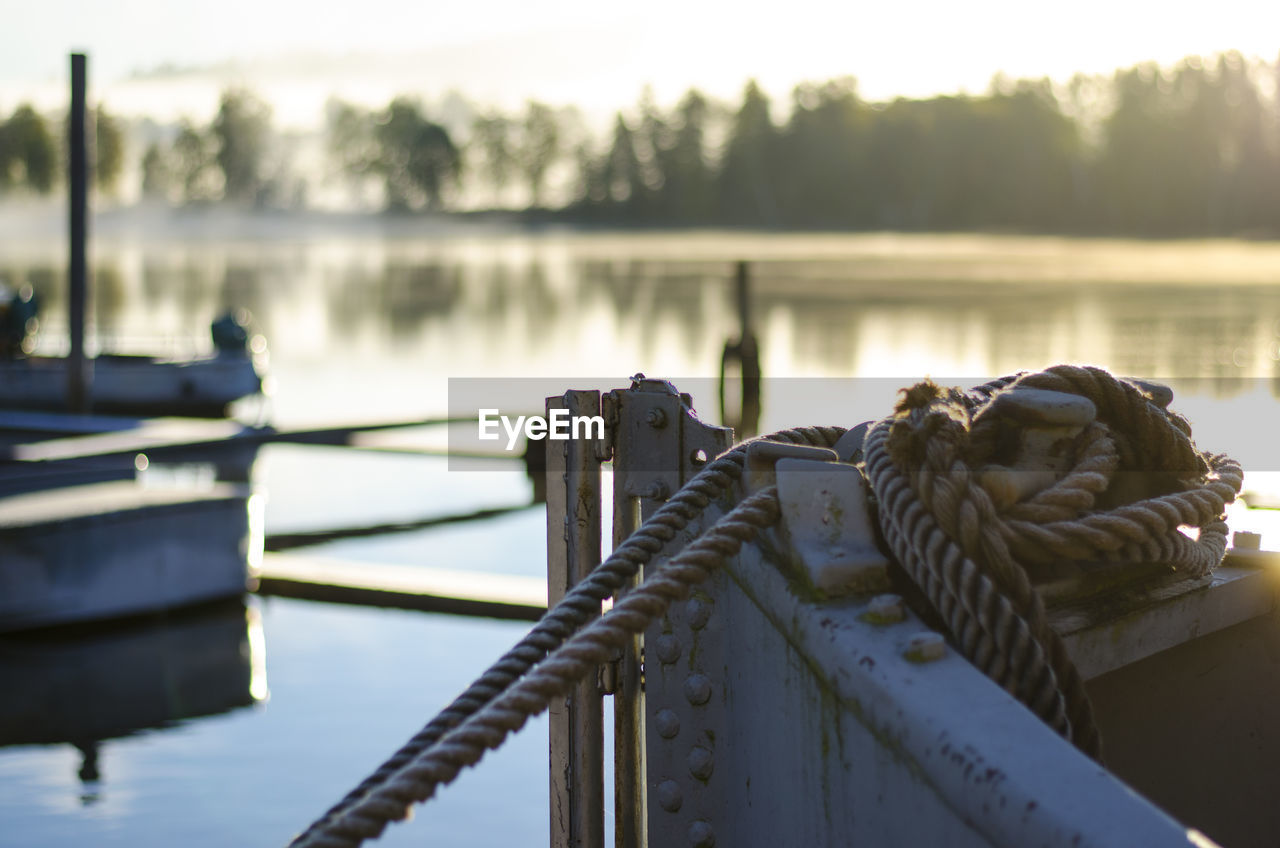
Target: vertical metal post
point(628, 705)
point(573, 550)
point(78, 183)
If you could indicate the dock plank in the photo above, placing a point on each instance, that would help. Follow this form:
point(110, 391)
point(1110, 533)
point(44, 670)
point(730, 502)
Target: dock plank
point(404, 587)
point(149, 435)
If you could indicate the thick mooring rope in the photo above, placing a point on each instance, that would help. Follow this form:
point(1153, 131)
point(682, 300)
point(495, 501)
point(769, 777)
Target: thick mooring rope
point(338, 827)
point(943, 515)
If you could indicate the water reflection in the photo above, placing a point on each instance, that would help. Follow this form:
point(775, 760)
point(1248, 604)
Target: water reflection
point(86, 687)
point(405, 313)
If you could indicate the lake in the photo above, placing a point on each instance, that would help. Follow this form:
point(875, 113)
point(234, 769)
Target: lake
point(375, 325)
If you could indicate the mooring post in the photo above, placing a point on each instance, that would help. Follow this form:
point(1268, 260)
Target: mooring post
point(573, 550)
point(744, 354)
point(77, 271)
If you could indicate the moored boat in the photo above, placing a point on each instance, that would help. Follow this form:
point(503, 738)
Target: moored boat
point(121, 548)
point(201, 386)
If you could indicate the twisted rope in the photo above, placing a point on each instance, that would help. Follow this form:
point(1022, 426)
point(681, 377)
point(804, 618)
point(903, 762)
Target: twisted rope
point(487, 728)
point(954, 529)
point(580, 605)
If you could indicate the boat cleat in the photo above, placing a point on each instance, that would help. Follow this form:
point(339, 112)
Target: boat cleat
point(826, 527)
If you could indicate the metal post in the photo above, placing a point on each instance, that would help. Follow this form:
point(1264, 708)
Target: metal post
point(628, 706)
point(573, 550)
point(78, 183)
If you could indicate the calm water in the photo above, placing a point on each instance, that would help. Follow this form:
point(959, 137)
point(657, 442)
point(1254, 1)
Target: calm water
point(374, 327)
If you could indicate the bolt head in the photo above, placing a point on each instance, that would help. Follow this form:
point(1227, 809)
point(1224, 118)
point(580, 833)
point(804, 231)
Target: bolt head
point(667, 647)
point(657, 491)
point(670, 798)
point(697, 689)
point(885, 609)
point(668, 724)
point(656, 418)
point(926, 647)
point(701, 762)
point(698, 612)
point(701, 835)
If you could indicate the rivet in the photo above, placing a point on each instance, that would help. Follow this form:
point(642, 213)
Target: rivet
point(698, 612)
point(657, 491)
point(701, 835)
point(926, 647)
point(701, 762)
point(697, 688)
point(656, 418)
point(668, 724)
point(670, 798)
point(885, 609)
point(667, 648)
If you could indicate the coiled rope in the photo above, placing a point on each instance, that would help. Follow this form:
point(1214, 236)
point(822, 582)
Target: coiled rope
point(968, 550)
point(387, 793)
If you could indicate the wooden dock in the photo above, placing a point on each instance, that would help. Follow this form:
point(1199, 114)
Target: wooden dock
point(403, 587)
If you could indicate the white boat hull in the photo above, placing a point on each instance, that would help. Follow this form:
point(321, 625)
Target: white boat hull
point(111, 550)
point(135, 385)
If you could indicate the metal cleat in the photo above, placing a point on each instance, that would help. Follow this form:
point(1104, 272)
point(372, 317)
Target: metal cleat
point(1049, 421)
point(763, 456)
point(824, 514)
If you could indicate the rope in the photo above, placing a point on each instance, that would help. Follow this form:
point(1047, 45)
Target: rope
point(486, 729)
point(960, 536)
point(579, 606)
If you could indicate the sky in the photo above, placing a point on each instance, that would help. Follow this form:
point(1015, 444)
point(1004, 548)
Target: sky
point(598, 55)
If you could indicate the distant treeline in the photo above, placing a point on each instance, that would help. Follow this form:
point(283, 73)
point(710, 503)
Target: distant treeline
point(1188, 150)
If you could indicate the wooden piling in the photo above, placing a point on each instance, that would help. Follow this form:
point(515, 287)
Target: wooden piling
point(77, 270)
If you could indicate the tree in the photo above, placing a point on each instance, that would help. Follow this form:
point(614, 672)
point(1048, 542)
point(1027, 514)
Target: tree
point(108, 151)
point(193, 164)
point(621, 175)
point(417, 158)
point(349, 136)
point(821, 164)
point(29, 154)
point(539, 147)
point(157, 176)
point(350, 144)
point(491, 133)
point(687, 187)
point(591, 189)
point(748, 191)
point(242, 132)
